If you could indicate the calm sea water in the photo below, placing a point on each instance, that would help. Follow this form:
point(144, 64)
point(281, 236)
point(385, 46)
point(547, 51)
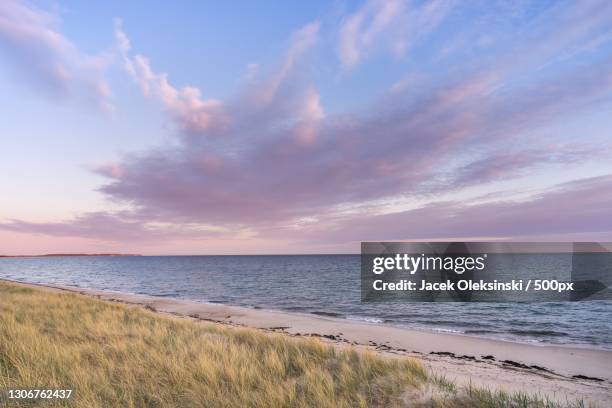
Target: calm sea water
point(324, 285)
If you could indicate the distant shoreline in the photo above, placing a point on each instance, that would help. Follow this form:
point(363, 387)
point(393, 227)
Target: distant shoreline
point(60, 255)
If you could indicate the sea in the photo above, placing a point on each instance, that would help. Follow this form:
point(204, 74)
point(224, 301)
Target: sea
point(324, 285)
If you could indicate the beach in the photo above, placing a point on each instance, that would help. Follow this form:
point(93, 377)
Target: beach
point(562, 373)
point(335, 204)
point(321, 285)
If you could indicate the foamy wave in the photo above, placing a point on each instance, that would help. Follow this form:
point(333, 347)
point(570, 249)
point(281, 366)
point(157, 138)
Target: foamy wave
point(441, 330)
point(365, 319)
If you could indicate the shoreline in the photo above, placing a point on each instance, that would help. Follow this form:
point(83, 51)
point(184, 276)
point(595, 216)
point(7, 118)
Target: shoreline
point(357, 319)
point(559, 371)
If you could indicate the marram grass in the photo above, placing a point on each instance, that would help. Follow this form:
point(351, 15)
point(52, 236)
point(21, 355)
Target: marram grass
point(112, 355)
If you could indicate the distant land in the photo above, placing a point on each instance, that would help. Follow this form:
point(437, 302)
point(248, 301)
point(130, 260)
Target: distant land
point(50, 255)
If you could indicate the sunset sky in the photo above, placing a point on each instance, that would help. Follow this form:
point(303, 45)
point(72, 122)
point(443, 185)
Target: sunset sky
point(302, 127)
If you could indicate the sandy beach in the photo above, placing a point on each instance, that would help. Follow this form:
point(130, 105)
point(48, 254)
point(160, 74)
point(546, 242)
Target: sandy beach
point(559, 372)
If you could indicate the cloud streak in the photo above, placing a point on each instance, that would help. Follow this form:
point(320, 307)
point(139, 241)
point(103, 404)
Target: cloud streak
point(114, 227)
point(578, 207)
point(49, 60)
point(394, 23)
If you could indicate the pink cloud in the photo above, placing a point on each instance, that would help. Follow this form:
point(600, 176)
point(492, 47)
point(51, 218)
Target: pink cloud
point(506, 165)
point(578, 208)
point(281, 142)
point(192, 113)
point(48, 58)
point(575, 209)
point(275, 165)
point(278, 159)
point(114, 227)
point(197, 116)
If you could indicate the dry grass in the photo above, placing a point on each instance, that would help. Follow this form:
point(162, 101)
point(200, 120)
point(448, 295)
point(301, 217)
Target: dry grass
point(113, 355)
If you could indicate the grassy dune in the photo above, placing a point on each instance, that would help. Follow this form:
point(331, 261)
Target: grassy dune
point(115, 355)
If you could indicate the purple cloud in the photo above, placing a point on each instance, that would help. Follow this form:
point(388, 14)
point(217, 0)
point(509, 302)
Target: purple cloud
point(579, 207)
point(262, 171)
point(112, 227)
point(51, 61)
point(272, 158)
point(185, 105)
point(506, 165)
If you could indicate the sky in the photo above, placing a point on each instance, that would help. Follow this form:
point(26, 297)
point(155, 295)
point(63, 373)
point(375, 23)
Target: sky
point(302, 127)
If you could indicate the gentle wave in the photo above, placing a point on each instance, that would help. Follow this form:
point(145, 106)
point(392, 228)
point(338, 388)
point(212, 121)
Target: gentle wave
point(537, 333)
point(329, 314)
point(365, 319)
